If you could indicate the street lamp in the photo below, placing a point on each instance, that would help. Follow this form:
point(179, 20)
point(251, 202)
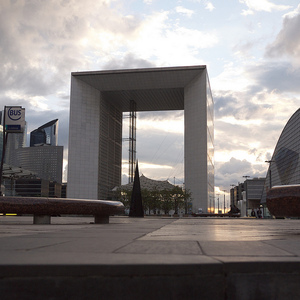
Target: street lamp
point(232, 194)
point(218, 202)
point(269, 162)
point(224, 200)
point(246, 176)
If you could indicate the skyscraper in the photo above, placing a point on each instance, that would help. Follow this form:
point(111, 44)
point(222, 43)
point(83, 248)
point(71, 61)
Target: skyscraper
point(14, 142)
point(45, 161)
point(45, 134)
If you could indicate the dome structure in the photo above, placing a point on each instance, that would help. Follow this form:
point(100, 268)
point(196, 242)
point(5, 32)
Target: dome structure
point(284, 167)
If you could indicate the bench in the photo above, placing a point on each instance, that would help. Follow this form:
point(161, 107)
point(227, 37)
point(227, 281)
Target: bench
point(43, 208)
point(284, 201)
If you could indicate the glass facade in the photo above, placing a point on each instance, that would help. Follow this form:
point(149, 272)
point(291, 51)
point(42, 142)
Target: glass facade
point(1, 141)
point(14, 142)
point(46, 162)
point(110, 150)
point(210, 148)
point(284, 166)
point(45, 134)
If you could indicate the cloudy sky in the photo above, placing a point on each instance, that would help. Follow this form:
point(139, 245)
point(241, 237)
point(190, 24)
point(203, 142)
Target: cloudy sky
point(251, 49)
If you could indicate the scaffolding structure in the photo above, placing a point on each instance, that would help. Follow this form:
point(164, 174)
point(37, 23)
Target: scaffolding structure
point(132, 141)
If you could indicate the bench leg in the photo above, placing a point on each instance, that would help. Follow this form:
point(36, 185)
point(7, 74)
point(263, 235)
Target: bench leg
point(101, 219)
point(37, 219)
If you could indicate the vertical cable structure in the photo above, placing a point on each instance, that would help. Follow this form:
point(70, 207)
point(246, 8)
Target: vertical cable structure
point(132, 140)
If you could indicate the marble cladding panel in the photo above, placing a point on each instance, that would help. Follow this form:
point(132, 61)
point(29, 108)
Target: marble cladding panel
point(195, 142)
point(83, 141)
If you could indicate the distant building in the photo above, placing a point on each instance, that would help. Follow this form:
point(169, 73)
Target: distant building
point(44, 158)
point(236, 194)
point(64, 190)
point(14, 142)
point(36, 187)
point(252, 189)
point(45, 161)
point(30, 187)
point(45, 134)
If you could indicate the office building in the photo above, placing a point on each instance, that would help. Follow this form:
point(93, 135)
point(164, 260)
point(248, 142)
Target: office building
point(14, 142)
point(45, 134)
point(45, 161)
point(98, 100)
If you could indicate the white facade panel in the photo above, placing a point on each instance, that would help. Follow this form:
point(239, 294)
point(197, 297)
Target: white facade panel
point(195, 141)
point(83, 141)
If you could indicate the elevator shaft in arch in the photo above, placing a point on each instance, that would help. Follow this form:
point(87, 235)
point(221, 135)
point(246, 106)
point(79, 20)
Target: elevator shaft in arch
point(132, 141)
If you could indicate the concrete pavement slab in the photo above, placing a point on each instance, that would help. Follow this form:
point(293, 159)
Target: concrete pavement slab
point(162, 247)
point(150, 258)
point(241, 248)
point(292, 246)
point(227, 229)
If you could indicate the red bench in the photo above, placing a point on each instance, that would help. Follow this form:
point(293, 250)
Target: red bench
point(43, 208)
point(284, 200)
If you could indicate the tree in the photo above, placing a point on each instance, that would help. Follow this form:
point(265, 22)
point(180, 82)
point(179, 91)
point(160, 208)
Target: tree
point(165, 200)
point(177, 196)
point(187, 195)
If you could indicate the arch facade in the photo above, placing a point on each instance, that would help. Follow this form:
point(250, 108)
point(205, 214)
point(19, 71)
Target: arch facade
point(98, 100)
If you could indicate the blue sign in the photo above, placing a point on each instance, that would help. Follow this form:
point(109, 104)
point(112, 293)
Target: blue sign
point(13, 128)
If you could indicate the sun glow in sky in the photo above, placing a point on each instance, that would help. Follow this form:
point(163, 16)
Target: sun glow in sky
point(251, 49)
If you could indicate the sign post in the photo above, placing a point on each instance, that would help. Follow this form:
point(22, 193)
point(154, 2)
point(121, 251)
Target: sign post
point(13, 122)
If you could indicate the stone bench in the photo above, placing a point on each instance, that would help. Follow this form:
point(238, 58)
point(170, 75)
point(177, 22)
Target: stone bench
point(43, 208)
point(284, 200)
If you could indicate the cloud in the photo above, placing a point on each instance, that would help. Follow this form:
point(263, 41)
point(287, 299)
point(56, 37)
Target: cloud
point(234, 165)
point(232, 172)
point(287, 42)
point(184, 11)
point(209, 6)
point(249, 120)
point(158, 145)
point(261, 5)
point(157, 38)
point(281, 77)
point(126, 62)
point(41, 43)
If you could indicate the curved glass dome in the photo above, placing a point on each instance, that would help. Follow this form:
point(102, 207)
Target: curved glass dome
point(284, 168)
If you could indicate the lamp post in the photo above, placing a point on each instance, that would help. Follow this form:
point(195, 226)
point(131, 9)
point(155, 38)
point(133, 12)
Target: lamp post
point(246, 176)
point(224, 200)
point(232, 194)
point(218, 202)
point(269, 162)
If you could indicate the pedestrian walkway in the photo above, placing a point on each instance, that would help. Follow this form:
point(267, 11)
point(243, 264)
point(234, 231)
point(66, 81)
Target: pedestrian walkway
point(150, 258)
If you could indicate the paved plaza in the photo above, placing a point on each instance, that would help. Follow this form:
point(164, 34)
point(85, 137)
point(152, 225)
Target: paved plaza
point(150, 258)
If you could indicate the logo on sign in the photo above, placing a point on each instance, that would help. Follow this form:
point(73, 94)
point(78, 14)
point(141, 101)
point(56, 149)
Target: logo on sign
point(14, 114)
